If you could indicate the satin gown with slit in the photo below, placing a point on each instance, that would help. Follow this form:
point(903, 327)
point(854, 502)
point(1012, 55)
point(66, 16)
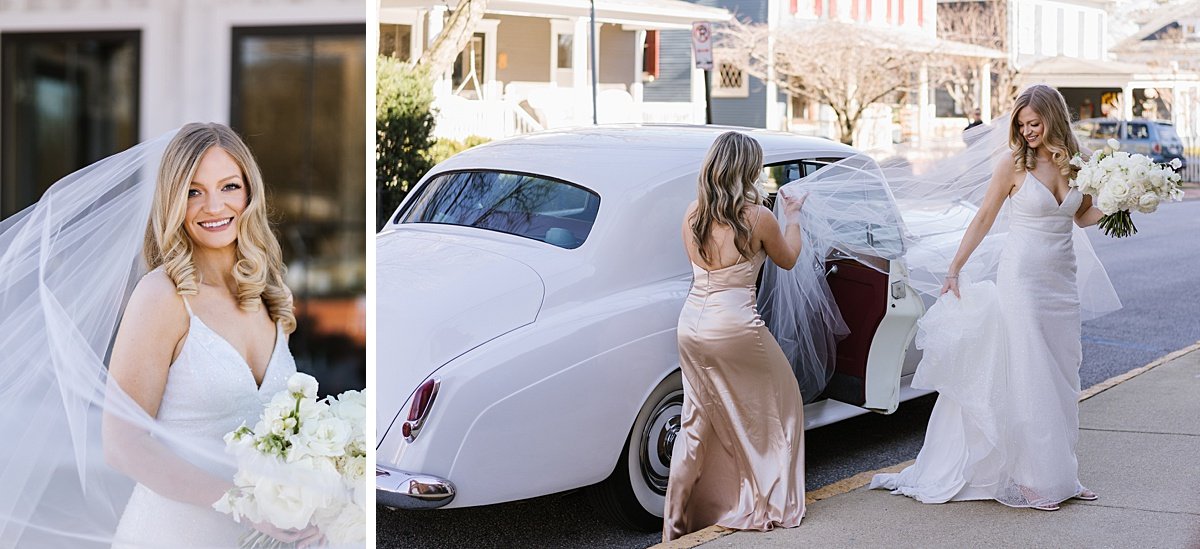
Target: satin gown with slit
point(1005, 360)
point(738, 460)
point(210, 391)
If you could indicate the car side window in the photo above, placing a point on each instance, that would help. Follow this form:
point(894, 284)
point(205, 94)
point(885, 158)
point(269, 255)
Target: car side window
point(1105, 130)
point(1137, 131)
point(540, 208)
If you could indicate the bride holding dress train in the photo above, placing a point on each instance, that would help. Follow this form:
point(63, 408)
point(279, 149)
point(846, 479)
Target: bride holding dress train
point(1005, 356)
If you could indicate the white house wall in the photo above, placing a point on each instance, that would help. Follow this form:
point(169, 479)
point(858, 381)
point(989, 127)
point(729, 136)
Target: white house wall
point(186, 59)
point(1043, 28)
point(617, 55)
point(521, 44)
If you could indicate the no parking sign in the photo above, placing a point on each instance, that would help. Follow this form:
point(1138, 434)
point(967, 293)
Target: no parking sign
point(702, 45)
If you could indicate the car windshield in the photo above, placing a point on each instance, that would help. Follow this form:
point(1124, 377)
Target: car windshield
point(1166, 133)
point(543, 209)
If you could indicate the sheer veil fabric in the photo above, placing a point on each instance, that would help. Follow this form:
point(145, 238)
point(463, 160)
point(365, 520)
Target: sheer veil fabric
point(67, 266)
point(905, 211)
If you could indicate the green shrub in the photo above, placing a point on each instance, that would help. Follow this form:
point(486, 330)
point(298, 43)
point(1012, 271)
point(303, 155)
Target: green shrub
point(445, 148)
point(403, 132)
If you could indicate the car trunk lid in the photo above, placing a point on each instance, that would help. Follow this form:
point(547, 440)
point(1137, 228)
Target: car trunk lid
point(437, 298)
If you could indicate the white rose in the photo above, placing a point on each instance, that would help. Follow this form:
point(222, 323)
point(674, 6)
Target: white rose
point(1107, 204)
point(347, 527)
point(1148, 203)
point(354, 468)
point(1119, 190)
point(326, 437)
point(351, 406)
point(304, 384)
point(1175, 163)
point(289, 505)
point(1114, 144)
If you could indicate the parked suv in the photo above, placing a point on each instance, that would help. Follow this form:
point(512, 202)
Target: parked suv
point(1154, 138)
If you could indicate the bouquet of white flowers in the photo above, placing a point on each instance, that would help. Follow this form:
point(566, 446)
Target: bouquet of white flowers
point(302, 464)
point(1119, 182)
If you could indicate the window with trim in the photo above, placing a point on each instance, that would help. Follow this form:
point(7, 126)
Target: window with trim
point(68, 100)
point(396, 41)
point(729, 80)
point(468, 68)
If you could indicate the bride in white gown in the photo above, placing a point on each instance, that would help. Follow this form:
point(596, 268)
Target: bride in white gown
point(204, 365)
point(1005, 357)
point(120, 441)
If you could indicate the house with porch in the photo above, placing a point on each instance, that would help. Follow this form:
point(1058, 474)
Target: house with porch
point(1151, 74)
point(528, 66)
point(744, 100)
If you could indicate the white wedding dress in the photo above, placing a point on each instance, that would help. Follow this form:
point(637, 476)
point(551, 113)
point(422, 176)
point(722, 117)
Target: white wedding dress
point(210, 391)
point(1005, 360)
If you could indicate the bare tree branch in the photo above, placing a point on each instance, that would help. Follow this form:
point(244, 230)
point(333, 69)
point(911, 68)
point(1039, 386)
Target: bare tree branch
point(981, 23)
point(847, 67)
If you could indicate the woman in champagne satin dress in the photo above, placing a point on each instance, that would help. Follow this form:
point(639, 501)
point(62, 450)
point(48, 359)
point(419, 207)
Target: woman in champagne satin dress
point(738, 461)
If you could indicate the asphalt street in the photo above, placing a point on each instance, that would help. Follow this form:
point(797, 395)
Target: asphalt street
point(1156, 273)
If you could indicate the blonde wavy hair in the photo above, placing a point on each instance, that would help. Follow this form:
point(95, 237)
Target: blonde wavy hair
point(727, 184)
point(259, 267)
point(1050, 106)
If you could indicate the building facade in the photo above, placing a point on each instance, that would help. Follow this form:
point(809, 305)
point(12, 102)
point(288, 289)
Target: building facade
point(529, 66)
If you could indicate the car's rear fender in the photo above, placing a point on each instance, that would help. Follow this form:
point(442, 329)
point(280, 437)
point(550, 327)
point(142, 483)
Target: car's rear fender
point(547, 407)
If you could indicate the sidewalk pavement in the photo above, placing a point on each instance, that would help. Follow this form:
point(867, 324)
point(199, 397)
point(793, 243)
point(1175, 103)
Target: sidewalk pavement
point(1139, 448)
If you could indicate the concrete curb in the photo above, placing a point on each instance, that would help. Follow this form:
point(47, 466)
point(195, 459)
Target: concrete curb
point(862, 479)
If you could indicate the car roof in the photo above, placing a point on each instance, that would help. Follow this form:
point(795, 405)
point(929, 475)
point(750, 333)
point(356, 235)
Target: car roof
point(1117, 121)
point(613, 158)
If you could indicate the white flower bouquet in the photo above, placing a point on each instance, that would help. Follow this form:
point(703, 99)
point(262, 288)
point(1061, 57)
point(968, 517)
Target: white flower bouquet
point(302, 464)
point(1119, 182)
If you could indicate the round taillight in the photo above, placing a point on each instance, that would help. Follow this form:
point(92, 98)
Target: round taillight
point(406, 429)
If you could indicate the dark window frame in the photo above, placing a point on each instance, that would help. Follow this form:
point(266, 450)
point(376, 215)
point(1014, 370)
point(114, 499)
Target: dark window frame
point(7, 41)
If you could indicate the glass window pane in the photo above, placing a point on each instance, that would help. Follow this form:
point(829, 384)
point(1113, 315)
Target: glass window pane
point(566, 43)
point(468, 67)
point(551, 211)
point(69, 99)
point(298, 100)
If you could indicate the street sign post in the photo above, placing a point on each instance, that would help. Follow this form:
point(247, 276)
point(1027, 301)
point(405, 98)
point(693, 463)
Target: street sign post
point(703, 54)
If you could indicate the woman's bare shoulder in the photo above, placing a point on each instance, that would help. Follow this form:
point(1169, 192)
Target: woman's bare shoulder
point(154, 305)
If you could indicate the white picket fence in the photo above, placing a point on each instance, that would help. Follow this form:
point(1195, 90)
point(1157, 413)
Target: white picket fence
point(529, 108)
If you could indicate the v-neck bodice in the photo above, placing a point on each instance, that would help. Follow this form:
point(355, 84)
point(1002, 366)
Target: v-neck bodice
point(211, 389)
point(1034, 207)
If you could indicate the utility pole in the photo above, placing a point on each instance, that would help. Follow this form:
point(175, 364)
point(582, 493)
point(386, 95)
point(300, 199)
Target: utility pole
point(595, 66)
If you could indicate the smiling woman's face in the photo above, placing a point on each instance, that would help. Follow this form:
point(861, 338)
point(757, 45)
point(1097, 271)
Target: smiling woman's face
point(216, 198)
point(1031, 127)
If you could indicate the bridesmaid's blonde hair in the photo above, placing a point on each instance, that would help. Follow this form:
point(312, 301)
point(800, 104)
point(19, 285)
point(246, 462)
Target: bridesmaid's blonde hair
point(259, 267)
point(727, 184)
point(1056, 136)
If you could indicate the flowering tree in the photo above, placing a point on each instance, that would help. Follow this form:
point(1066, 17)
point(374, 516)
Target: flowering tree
point(847, 67)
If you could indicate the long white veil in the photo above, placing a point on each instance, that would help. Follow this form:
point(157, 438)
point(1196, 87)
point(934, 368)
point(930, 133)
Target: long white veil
point(910, 210)
point(67, 267)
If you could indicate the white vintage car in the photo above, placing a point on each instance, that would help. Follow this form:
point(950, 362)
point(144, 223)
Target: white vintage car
point(528, 294)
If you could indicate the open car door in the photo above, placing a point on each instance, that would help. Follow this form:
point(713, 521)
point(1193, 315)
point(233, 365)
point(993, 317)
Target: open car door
point(869, 284)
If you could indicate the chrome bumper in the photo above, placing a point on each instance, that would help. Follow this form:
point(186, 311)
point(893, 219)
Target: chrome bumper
point(404, 490)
